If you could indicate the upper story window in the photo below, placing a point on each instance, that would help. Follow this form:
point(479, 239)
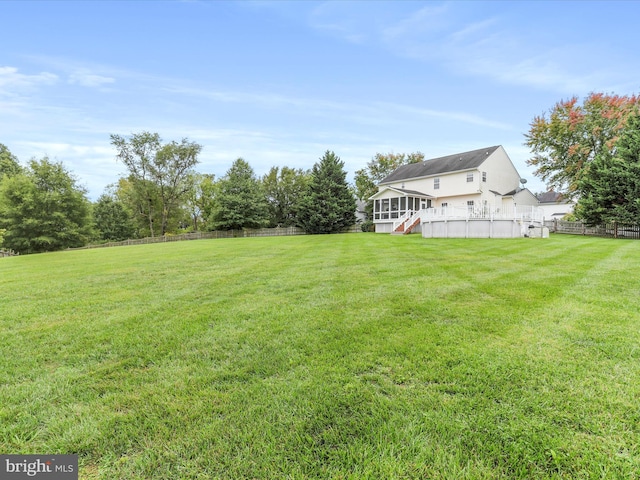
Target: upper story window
point(484, 176)
point(469, 177)
point(436, 183)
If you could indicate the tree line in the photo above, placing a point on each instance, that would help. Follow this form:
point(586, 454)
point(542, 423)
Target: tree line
point(588, 151)
point(44, 208)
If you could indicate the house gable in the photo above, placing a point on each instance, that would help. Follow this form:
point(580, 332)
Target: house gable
point(501, 174)
point(522, 196)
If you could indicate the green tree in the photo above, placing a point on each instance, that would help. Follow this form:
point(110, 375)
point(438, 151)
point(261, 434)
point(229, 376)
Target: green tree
point(200, 198)
point(240, 200)
point(9, 165)
point(328, 205)
point(112, 219)
point(367, 178)
point(2, 232)
point(140, 197)
point(158, 172)
point(284, 187)
point(43, 209)
point(571, 136)
point(610, 190)
point(172, 172)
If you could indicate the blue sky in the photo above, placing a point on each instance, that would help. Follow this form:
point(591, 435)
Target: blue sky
point(279, 83)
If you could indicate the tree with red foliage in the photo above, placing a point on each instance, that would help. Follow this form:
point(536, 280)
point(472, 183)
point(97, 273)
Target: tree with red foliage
point(565, 141)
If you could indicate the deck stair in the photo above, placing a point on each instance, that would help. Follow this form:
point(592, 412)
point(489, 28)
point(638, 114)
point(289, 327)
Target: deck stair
point(406, 223)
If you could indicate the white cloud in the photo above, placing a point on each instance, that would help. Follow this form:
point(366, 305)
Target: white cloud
point(471, 42)
point(428, 20)
point(448, 115)
point(12, 81)
point(335, 19)
point(482, 27)
point(86, 79)
point(56, 149)
point(94, 165)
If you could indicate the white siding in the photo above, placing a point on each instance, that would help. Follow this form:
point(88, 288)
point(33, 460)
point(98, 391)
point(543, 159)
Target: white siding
point(455, 190)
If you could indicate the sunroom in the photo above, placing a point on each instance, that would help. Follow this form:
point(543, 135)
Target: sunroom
point(391, 204)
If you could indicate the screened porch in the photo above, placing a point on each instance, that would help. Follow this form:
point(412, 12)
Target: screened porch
point(395, 207)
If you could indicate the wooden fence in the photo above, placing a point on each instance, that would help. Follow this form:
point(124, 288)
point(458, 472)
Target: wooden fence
point(614, 230)
point(248, 232)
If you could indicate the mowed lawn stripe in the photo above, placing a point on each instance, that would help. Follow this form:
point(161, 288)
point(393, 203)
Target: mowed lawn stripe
point(341, 356)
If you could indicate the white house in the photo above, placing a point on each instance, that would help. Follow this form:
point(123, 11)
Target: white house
point(555, 205)
point(472, 184)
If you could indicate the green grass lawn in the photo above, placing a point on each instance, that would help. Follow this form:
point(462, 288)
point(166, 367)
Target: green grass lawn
point(355, 356)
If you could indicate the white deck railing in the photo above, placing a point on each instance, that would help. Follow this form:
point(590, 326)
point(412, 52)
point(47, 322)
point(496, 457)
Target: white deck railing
point(407, 220)
point(524, 213)
point(401, 220)
point(416, 216)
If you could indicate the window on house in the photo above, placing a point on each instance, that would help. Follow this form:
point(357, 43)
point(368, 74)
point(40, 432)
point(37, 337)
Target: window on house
point(436, 183)
point(484, 176)
point(394, 207)
point(444, 204)
point(385, 209)
point(469, 177)
point(470, 205)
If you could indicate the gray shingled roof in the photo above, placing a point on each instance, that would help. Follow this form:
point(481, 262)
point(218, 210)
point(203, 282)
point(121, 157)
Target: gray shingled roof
point(414, 193)
point(551, 197)
point(435, 166)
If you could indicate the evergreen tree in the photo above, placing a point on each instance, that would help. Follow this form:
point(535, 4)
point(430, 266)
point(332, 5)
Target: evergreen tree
point(240, 200)
point(611, 187)
point(328, 206)
point(43, 209)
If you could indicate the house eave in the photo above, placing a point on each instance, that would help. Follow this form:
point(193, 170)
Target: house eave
point(402, 191)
